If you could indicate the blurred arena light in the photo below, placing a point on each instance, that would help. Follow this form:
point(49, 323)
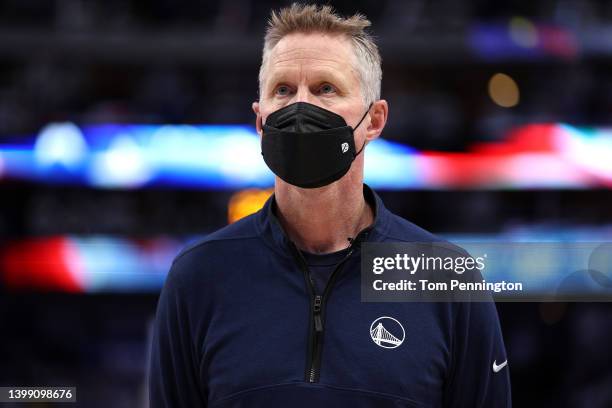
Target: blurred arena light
point(523, 32)
point(547, 155)
point(522, 39)
point(503, 90)
point(111, 264)
point(60, 143)
point(246, 202)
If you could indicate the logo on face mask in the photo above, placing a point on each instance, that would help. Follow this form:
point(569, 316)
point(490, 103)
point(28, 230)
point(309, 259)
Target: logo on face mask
point(300, 144)
point(387, 332)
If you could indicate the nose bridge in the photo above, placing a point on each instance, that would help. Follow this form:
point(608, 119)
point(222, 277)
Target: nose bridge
point(303, 94)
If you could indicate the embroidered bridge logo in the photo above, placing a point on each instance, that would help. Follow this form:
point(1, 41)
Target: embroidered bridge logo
point(387, 332)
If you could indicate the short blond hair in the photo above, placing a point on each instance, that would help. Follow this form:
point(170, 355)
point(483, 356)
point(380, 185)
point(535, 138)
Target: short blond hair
point(301, 18)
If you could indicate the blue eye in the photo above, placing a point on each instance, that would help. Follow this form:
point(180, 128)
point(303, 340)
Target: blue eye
point(282, 90)
point(327, 88)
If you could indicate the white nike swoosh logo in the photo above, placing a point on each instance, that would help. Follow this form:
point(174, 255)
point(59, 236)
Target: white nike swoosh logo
point(496, 367)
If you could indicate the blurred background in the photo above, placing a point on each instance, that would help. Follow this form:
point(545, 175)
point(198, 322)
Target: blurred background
point(126, 131)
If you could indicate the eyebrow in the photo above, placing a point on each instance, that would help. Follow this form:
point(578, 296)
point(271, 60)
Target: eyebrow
point(288, 75)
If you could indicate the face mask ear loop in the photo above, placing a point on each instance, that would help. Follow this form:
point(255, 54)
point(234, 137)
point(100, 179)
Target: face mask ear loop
point(362, 146)
point(362, 118)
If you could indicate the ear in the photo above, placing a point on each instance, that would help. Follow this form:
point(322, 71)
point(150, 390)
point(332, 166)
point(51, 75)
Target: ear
point(255, 107)
point(378, 119)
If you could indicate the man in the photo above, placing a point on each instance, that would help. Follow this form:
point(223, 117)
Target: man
point(267, 311)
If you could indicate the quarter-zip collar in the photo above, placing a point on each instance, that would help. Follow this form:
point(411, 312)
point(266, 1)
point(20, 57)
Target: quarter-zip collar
point(271, 230)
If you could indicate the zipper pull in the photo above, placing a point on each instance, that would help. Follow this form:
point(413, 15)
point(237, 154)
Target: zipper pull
point(318, 323)
point(317, 313)
point(317, 303)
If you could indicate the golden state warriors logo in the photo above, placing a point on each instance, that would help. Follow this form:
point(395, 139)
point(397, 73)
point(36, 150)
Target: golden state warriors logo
point(387, 332)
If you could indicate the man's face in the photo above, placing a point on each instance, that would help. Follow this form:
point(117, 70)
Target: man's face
point(314, 68)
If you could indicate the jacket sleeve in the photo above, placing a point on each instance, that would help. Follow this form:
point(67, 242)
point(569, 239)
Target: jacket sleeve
point(480, 372)
point(173, 372)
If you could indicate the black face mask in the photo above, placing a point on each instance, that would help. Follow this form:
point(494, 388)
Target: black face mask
point(308, 146)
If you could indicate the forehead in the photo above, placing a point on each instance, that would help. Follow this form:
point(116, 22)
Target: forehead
point(312, 54)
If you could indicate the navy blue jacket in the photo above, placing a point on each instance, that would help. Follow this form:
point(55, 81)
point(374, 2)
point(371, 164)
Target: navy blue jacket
point(238, 325)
